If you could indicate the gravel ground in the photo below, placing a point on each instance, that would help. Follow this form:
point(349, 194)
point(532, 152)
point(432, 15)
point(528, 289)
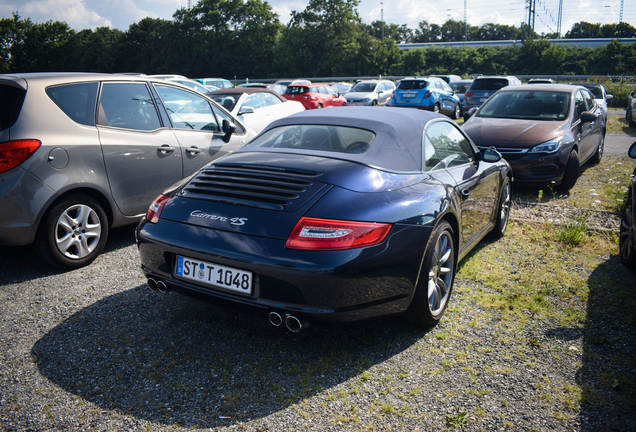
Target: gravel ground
point(95, 349)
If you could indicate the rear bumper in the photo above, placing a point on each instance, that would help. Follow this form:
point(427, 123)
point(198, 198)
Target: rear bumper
point(329, 286)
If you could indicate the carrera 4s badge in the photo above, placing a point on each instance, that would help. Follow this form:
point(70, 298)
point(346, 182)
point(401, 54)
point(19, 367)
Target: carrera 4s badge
point(233, 221)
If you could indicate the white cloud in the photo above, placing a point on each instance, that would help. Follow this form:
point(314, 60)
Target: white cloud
point(73, 12)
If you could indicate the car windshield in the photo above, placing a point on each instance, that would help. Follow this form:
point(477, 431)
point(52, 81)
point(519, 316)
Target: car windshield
point(364, 87)
point(527, 105)
point(459, 87)
point(413, 84)
point(297, 90)
point(316, 137)
point(596, 91)
point(489, 84)
point(227, 101)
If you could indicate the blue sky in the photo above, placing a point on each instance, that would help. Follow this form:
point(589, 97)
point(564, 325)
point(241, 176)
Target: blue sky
point(82, 14)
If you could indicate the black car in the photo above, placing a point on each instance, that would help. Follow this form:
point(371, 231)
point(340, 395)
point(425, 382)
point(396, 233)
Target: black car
point(331, 215)
point(627, 239)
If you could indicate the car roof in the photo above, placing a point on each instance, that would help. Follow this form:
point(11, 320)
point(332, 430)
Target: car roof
point(564, 88)
point(244, 90)
point(398, 134)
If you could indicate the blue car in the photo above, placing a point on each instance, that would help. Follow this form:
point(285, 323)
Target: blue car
point(428, 93)
point(330, 215)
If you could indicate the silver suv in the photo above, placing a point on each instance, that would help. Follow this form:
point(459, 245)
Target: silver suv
point(370, 92)
point(83, 153)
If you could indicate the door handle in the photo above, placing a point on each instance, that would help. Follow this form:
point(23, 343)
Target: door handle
point(165, 149)
point(193, 150)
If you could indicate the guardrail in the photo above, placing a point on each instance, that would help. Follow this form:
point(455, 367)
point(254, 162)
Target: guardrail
point(629, 78)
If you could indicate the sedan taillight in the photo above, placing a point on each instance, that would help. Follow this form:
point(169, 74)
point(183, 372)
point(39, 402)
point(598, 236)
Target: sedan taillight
point(154, 211)
point(328, 234)
point(13, 153)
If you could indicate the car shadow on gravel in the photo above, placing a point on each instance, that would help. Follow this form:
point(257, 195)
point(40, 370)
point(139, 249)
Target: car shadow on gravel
point(174, 360)
point(607, 375)
point(21, 263)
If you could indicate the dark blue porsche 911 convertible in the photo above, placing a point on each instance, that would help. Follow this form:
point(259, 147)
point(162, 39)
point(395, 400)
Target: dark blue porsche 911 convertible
point(331, 215)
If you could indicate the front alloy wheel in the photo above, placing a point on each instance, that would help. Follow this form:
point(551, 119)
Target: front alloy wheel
point(436, 278)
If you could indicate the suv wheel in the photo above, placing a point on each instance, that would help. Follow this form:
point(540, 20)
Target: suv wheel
point(72, 233)
point(436, 108)
point(629, 118)
point(457, 112)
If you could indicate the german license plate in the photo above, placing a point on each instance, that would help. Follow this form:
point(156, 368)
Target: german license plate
point(214, 274)
point(409, 95)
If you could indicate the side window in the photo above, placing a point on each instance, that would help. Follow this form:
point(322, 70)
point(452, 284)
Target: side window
point(76, 100)
point(579, 105)
point(451, 146)
point(589, 98)
point(446, 87)
point(127, 106)
point(431, 160)
point(330, 91)
point(187, 110)
point(255, 100)
point(270, 99)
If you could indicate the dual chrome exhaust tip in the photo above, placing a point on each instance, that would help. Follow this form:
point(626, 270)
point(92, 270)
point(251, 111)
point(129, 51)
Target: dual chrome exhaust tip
point(157, 285)
point(293, 323)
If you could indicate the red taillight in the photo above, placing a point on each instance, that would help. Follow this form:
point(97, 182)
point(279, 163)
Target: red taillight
point(309, 97)
point(13, 153)
point(428, 94)
point(328, 234)
point(469, 94)
point(154, 211)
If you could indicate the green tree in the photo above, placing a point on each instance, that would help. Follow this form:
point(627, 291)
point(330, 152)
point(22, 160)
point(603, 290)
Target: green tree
point(584, 29)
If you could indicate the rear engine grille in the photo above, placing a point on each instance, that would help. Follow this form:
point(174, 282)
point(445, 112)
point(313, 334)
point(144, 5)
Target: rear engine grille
point(260, 186)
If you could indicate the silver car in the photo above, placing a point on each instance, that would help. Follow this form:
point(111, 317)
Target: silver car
point(370, 93)
point(83, 153)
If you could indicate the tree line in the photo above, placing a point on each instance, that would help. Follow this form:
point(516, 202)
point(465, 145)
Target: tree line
point(245, 39)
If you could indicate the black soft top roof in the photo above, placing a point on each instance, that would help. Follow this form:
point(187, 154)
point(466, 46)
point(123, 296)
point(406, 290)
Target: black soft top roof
point(398, 134)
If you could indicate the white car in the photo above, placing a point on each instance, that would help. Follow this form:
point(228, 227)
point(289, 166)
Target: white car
point(370, 92)
point(255, 106)
point(599, 93)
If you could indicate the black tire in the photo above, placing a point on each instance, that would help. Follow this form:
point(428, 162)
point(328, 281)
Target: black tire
point(374, 103)
point(72, 233)
point(457, 112)
point(627, 237)
point(503, 210)
point(438, 271)
point(629, 118)
point(319, 106)
point(572, 170)
point(436, 108)
point(598, 155)
point(344, 104)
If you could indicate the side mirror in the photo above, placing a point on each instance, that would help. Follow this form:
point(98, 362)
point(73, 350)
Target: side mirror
point(246, 110)
point(490, 155)
point(588, 117)
point(632, 151)
point(609, 96)
point(229, 128)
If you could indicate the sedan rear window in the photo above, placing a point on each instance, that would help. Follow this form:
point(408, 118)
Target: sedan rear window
point(364, 87)
point(12, 99)
point(317, 137)
point(412, 85)
point(489, 84)
point(527, 105)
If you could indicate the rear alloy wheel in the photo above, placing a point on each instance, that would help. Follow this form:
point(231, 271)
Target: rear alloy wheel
point(457, 112)
point(436, 278)
point(436, 108)
point(572, 169)
point(599, 150)
point(374, 103)
point(627, 238)
point(72, 233)
point(503, 211)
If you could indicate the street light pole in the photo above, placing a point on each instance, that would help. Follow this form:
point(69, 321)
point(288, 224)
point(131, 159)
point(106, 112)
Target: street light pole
point(382, 19)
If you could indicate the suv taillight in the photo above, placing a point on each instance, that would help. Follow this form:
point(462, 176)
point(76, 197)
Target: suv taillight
point(469, 94)
point(428, 94)
point(13, 153)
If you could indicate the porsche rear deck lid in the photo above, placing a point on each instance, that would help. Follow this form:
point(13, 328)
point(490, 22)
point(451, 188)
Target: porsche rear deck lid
point(262, 186)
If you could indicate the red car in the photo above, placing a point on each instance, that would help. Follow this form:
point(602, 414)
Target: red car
point(314, 96)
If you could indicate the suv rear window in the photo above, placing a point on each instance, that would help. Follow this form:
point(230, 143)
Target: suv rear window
point(76, 100)
point(489, 84)
point(412, 84)
point(12, 99)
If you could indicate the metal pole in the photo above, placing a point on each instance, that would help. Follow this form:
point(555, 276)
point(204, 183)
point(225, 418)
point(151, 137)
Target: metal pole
point(382, 18)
